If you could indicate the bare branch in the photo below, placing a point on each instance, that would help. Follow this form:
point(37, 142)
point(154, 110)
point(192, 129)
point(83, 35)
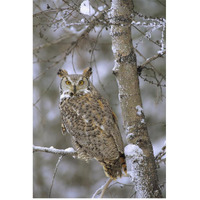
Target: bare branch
point(83, 34)
point(148, 60)
point(103, 188)
point(159, 158)
point(54, 174)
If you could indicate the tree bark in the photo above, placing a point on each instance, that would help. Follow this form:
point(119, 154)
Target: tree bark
point(139, 151)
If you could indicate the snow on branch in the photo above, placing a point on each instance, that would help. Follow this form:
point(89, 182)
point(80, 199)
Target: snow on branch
point(152, 24)
point(148, 60)
point(149, 18)
point(161, 156)
point(79, 34)
point(63, 152)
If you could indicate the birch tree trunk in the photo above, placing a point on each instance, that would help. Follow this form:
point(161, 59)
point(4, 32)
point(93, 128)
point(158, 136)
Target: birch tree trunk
point(139, 152)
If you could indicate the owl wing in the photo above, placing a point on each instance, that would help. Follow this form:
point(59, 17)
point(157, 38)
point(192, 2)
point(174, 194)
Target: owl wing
point(63, 128)
point(112, 118)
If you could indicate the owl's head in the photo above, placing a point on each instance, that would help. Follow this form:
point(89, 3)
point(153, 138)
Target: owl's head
point(74, 84)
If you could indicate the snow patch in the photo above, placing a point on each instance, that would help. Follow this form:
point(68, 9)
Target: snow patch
point(135, 23)
point(100, 8)
point(142, 121)
point(86, 8)
point(133, 150)
point(139, 109)
point(129, 136)
point(161, 51)
point(129, 127)
point(70, 150)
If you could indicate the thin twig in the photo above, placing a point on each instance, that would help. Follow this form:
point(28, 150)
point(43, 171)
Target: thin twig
point(145, 35)
point(54, 174)
point(159, 157)
point(153, 67)
point(82, 35)
point(103, 188)
point(44, 91)
point(148, 60)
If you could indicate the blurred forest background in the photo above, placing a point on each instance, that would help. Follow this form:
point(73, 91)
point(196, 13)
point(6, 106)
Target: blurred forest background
point(73, 35)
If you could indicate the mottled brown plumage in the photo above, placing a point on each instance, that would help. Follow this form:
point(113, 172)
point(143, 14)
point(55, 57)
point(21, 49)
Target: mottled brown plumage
point(88, 118)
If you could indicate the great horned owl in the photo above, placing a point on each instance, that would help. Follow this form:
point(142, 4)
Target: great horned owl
point(88, 118)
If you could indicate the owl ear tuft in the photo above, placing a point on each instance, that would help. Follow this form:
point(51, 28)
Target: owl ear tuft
point(62, 72)
point(87, 72)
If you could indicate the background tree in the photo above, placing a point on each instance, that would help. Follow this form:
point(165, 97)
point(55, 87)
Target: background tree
point(74, 35)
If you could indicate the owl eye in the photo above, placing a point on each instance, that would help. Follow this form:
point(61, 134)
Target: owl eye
point(68, 82)
point(81, 82)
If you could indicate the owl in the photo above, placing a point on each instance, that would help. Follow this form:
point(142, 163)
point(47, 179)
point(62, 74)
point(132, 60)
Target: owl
point(90, 121)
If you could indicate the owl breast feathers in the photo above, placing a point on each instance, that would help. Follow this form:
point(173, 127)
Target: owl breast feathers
point(88, 118)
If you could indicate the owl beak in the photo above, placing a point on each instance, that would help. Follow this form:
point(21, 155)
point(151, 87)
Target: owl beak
point(74, 89)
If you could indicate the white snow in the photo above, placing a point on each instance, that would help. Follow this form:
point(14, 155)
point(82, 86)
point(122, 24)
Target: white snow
point(133, 150)
point(72, 29)
point(86, 8)
point(129, 127)
point(136, 23)
point(139, 109)
point(100, 8)
point(83, 20)
point(70, 150)
point(129, 136)
point(161, 51)
point(114, 52)
point(142, 121)
point(134, 158)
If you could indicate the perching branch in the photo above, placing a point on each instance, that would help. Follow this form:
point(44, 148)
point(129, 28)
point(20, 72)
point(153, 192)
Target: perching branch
point(63, 152)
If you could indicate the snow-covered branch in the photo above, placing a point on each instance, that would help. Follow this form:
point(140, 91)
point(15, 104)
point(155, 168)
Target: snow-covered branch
point(79, 34)
point(63, 152)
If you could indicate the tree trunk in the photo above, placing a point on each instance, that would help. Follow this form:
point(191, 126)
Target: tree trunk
point(139, 152)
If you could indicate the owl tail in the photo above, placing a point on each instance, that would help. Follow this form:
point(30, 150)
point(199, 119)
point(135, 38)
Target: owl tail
point(122, 160)
point(113, 169)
